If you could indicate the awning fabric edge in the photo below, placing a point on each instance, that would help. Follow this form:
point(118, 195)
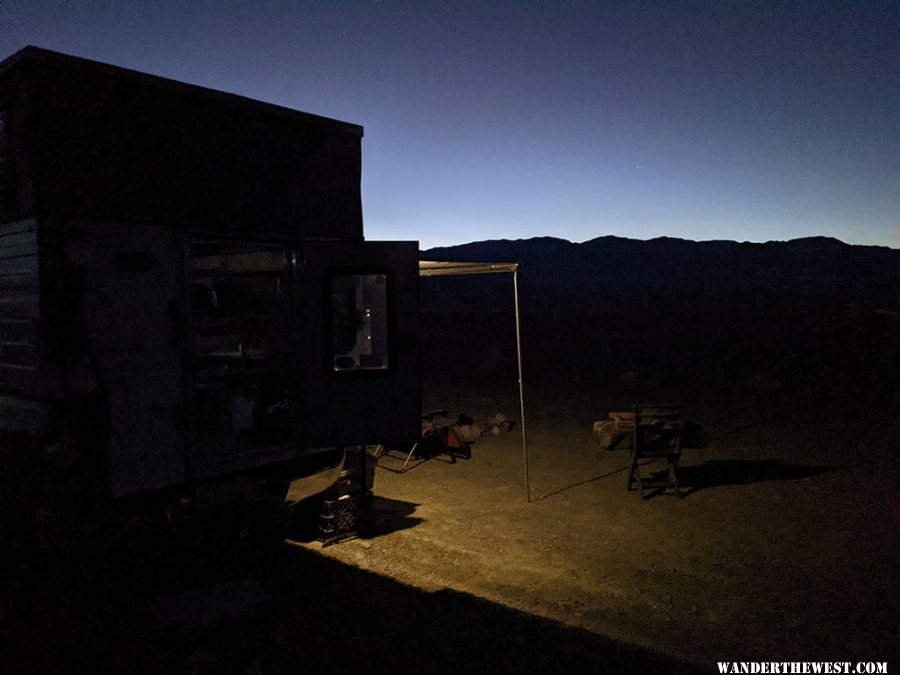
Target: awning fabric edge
point(434, 268)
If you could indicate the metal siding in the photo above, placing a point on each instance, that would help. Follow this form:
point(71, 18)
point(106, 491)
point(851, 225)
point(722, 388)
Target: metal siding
point(19, 301)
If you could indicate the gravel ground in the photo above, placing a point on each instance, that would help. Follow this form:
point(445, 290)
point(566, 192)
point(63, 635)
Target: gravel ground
point(785, 547)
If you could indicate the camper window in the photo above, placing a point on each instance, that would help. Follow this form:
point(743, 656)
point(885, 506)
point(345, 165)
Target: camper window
point(359, 336)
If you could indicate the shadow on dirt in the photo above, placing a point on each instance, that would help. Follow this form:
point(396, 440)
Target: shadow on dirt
point(719, 473)
point(369, 623)
point(395, 460)
point(586, 481)
point(301, 613)
point(393, 515)
point(712, 474)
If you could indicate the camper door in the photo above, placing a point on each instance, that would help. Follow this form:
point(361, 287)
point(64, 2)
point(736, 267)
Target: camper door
point(133, 301)
point(360, 366)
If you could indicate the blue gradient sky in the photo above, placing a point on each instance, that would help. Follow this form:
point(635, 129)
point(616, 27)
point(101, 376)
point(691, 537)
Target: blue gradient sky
point(721, 120)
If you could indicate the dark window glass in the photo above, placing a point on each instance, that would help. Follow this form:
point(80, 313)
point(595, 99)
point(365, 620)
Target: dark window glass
point(359, 335)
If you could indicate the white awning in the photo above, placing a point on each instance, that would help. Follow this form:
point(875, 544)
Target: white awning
point(433, 268)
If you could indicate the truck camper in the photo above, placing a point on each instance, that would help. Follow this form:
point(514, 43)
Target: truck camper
point(187, 302)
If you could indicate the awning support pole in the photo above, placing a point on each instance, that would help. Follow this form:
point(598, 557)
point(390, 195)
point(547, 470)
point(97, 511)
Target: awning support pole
point(521, 388)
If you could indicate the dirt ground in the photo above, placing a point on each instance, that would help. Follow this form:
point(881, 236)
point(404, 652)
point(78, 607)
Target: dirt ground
point(785, 545)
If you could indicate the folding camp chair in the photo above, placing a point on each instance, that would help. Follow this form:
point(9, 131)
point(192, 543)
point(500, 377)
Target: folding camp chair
point(658, 433)
point(430, 431)
point(437, 437)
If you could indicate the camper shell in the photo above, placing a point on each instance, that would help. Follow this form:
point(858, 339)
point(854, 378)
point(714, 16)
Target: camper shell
point(186, 294)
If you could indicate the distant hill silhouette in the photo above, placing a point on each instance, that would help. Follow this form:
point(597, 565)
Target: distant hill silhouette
point(812, 317)
point(727, 274)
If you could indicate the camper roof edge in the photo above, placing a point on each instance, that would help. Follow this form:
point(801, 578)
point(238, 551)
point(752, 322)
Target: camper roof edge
point(31, 53)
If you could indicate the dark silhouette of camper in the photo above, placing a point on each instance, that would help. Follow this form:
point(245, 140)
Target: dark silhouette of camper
point(170, 258)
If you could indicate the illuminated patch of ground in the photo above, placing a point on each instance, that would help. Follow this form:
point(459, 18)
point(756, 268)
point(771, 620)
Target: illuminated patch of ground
point(784, 547)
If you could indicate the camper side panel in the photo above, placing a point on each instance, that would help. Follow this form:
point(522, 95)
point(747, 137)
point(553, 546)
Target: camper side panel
point(134, 304)
point(19, 307)
point(114, 145)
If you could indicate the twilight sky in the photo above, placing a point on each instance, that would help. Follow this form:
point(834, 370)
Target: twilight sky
point(702, 120)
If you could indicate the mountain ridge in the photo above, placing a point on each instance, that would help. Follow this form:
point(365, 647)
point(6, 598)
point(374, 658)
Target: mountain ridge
point(816, 314)
point(811, 241)
point(819, 270)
